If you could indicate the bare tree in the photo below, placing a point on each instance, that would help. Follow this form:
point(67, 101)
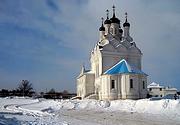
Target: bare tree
point(25, 87)
point(52, 91)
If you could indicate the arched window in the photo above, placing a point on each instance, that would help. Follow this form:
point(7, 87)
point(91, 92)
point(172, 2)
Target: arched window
point(131, 83)
point(143, 85)
point(112, 84)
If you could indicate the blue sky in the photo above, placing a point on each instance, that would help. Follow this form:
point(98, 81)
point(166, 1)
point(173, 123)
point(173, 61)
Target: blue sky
point(47, 41)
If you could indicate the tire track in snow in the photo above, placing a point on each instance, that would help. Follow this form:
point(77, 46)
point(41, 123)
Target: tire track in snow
point(18, 109)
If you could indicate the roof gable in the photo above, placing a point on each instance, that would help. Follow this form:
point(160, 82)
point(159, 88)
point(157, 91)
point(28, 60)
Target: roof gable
point(123, 67)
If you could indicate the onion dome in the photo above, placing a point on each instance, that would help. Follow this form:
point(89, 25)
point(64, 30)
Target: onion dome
point(120, 30)
point(114, 19)
point(102, 28)
point(126, 24)
point(107, 21)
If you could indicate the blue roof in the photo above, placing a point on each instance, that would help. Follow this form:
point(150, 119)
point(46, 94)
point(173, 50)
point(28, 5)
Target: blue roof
point(123, 67)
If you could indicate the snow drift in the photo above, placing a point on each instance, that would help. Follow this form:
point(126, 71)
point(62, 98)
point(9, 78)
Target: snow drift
point(42, 111)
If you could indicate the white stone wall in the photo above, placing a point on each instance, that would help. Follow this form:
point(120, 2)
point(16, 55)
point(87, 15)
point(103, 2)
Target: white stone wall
point(81, 90)
point(85, 85)
point(170, 91)
point(156, 92)
point(109, 59)
point(122, 88)
point(160, 91)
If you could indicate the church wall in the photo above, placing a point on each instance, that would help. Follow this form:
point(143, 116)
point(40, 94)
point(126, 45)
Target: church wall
point(122, 88)
point(108, 62)
point(110, 59)
point(90, 84)
point(119, 86)
point(100, 64)
point(109, 93)
point(124, 79)
point(143, 91)
point(81, 88)
point(114, 91)
point(96, 62)
point(85, 85)
point(98, 86)
point(105, 87)
point(133, 92)
point(135, 60)
point(127, 91)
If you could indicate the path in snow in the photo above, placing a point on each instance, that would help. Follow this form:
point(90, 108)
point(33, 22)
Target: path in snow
point(88, 112)
point(12, 113)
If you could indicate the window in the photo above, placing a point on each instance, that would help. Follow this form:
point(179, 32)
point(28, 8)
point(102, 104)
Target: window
point(114, 31)
point(150, 89)
point(112, 84)
point(160, 89)
point(143, 85)
point(131, 83)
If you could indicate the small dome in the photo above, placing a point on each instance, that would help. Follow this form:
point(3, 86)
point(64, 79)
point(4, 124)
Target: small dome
point(102, 28)
point(115, 20)
point(107, 21)
point(126, 24)
point(120, 30)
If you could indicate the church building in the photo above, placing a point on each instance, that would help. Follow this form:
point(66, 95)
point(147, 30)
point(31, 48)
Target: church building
point(115, 65)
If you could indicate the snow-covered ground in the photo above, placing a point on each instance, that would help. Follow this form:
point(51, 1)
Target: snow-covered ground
point(27, 111)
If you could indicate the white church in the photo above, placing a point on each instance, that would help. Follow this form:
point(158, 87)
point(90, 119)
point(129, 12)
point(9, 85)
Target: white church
point(116, 71)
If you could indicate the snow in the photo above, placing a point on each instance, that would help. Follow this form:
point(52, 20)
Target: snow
point(15, 111)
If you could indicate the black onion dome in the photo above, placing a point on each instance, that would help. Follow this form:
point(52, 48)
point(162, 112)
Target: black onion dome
point(120, 30)
point(115, 20)
point(102, 28)
point(126, 24)
point(107, 21)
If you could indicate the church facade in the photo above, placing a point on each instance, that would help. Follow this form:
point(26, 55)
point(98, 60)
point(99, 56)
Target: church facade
point(115, 65)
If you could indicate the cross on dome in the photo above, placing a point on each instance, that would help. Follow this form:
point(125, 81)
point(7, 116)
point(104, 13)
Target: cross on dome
point(113, 11)
point(102, 28)
point(126, 15)
point(114, 19)
point(107, 13)
point(126, 24)
point(102, 20)
point(107, 21)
